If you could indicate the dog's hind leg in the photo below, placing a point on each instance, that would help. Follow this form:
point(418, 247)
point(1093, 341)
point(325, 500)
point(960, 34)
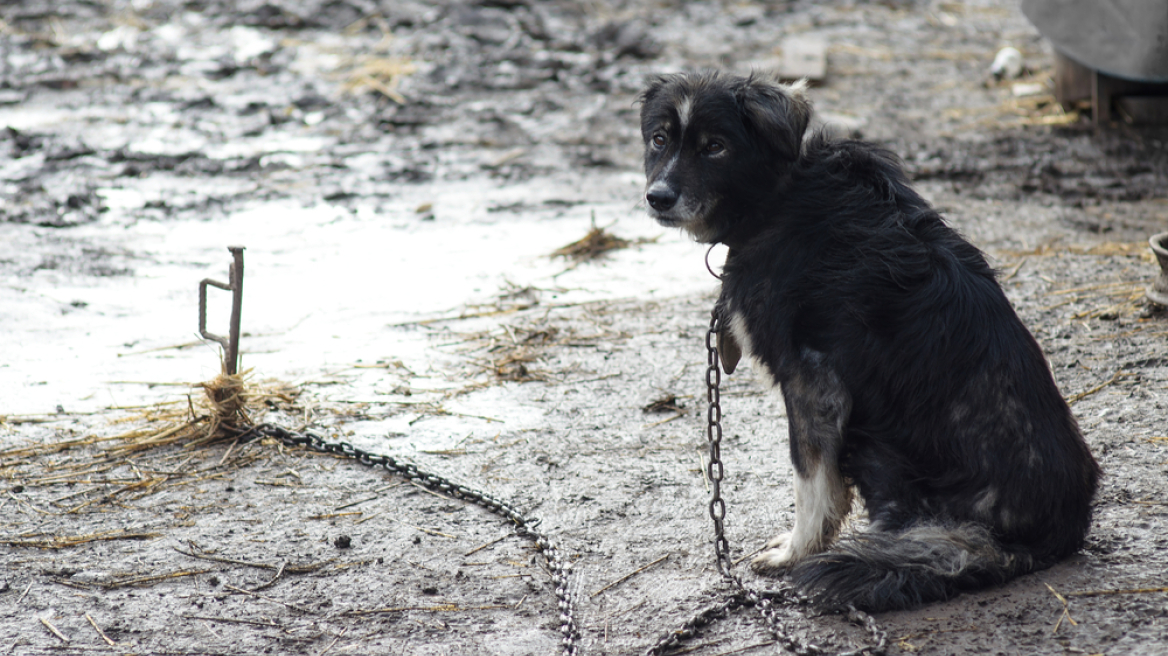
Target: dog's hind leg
point(817, 412)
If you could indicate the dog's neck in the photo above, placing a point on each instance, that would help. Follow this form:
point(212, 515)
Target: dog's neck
point(736, 241)
point(742, 232)
point(745, 223)
point(751, 218)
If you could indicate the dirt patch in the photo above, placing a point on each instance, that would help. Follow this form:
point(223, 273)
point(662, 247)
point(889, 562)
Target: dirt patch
point(332, 132)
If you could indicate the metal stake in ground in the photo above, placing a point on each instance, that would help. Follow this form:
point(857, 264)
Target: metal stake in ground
point(231, 342)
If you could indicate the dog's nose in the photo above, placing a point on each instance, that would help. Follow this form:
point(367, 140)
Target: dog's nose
point(661, 198)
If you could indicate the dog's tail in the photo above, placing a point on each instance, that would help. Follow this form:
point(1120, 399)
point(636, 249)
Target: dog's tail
point(880, 571)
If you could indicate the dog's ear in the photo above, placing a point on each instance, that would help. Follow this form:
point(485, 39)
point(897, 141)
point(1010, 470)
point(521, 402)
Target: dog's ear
point(653, 86)
point(776, 113)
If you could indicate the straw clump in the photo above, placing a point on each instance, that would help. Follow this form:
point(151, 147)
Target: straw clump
point(593, 245)
point(227, 398)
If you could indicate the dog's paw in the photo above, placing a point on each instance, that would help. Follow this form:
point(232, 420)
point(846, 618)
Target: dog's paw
point(779, 541)
point(778, 556)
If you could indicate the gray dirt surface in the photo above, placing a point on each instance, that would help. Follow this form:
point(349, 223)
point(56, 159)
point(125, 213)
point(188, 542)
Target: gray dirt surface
point(260, 549)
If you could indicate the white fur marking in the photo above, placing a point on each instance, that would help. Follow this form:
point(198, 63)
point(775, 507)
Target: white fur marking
point(668, 168)
point(820, 507)
point(737, 325)
point(816, 506)
point(657, 186)
point(798, 88)
point(984, 506)
point(684, 110)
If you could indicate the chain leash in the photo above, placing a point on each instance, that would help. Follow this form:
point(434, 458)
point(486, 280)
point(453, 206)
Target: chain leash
point(743, 594)
point(558, 567)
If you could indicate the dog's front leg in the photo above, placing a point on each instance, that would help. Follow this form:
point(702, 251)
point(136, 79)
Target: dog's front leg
point(817, 411)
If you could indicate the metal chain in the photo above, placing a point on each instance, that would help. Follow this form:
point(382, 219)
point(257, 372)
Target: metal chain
point(691, 627)
point(559, 568)
point(745, 595)
point(715, 472)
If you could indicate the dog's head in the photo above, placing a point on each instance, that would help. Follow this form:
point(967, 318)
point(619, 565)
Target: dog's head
point(714, 144)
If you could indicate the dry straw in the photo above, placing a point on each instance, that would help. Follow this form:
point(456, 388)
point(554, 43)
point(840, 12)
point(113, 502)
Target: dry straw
point(228, 402)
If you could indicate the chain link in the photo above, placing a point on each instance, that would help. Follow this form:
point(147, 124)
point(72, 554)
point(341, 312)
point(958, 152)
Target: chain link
point(744, 595)
point(558, 567)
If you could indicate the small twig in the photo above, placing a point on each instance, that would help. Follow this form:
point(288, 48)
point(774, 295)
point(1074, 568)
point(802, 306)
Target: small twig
point(510, 310)
point(101, 633)
point(139, 580)
point(54, 630)
point(211, 629)
point(1075, 398)
point(1014, 272)
point(227, 453)
point(177, 347)
point(21, 597)
point(443, 412)
point(355, 503)
point(1066, 615)
point(468, 315)
point(231, 620)
point(679, 415)
point(333, 643)
point(441, 608)
point(428, 531)
point(429, 491)
point(291, 569)
point(274, 601)
point(279, 573)
point(485, 545)
point(335, 515)
point(368, 517)
point(629, 575)
point(751, 554)
point(63, 541)
point(1094, 288)
point(746, 648)
point(1100, 593)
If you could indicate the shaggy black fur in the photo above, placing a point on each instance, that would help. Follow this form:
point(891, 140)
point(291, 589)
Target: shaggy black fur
point(906, 373)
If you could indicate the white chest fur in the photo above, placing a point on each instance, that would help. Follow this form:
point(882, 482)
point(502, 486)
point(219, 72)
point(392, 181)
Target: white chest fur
point(738, 331)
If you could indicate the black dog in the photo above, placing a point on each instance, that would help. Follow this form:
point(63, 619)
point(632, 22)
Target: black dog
point(905, 372)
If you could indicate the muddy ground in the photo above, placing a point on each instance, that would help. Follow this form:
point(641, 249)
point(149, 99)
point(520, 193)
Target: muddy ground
point(340, 139)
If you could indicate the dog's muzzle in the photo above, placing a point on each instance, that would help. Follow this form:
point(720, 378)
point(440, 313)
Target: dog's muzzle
point(661, 197)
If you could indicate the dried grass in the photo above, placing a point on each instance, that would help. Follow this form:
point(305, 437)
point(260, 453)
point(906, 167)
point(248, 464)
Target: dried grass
point(228, 402)
point(1104, 249)
point(1108, 300)
point(155, 454)
point(46, 541)
point(377, 70)
point(666, 403)
point(1041, 109)
point(513, 352)
point(595, 245)
point(517, 351)
point(379, 74)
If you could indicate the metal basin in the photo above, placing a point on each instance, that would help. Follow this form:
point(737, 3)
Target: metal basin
point(1127, 39)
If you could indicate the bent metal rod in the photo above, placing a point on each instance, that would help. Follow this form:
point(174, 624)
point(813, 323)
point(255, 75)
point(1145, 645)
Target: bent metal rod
point(231, 342)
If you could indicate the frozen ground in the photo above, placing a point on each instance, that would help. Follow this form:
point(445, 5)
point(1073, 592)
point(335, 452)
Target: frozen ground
point(391, 168)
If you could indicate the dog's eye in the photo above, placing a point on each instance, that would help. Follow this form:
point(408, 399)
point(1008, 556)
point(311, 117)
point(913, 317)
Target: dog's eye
point(714, 147)
point(658, 140)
